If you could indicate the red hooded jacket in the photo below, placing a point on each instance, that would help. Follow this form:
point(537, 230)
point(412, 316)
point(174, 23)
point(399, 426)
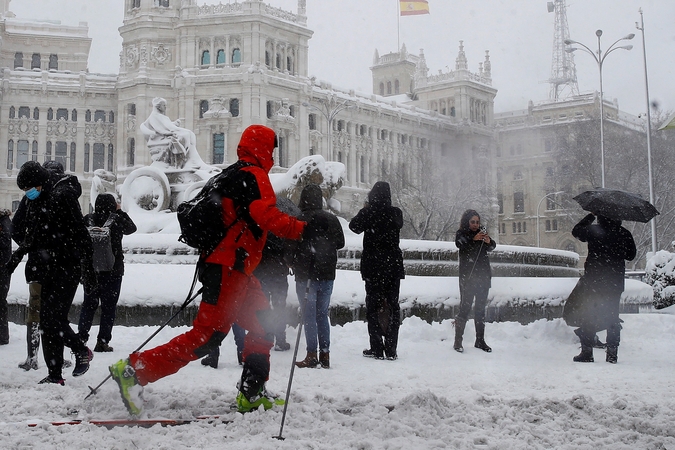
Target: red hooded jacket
point(249, 203)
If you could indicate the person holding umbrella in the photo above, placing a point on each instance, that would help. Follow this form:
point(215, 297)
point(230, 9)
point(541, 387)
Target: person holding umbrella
point(593, 305)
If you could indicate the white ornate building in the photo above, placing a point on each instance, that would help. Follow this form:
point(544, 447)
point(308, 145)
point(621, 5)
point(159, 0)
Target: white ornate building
point(221, 68)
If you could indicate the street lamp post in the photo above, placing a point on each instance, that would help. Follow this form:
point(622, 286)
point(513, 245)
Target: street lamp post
point(600, 59)
point(641, 27)
point(539, 204)
point(330, 108)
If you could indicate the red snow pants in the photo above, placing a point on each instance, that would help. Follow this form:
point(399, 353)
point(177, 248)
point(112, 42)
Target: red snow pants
point(238, 298)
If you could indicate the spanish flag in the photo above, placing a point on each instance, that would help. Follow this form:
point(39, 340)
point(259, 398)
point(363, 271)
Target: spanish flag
point(414, 7)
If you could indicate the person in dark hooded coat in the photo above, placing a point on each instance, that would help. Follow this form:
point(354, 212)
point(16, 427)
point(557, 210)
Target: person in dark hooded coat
point(109, 283)
point(595, 304)
point(475, 277)
point(56, 228)
point(381, 269)
point(5, 275)
point(314, 265)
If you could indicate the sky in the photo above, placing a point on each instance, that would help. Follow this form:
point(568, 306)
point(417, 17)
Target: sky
point(519, 35)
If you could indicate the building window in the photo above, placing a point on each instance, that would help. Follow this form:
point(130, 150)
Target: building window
point(203, 107)
point(36, 113)
point(111, 158)
point(24, 112)
point(35, 61)
point(397, 87)
point(312, 121)
point(73, 115)
point(282, 152)
point(278, 62)
point(131, 152)
point(48, 151)
point(73, 153)
point(21, 153)
point(86, 157)
point(99, 115)
point(206, 58)
point(518, 175)
point(554, 225)
point(518, 202)
point(453, 112)
point(111, 117)
point(10, 154)
point(514, 227)
point(61, 153)
point(267, 58)
point(54, 62)
point(220, 56)
point(34, 151)
point(164, 3)
point(18, 59)
point(234, 107)
point(136, 4)
point(550, 203)
point(218, 148)
point(131, 109)
point(87, 116)
point(12, 112)
point(236, 56)
point(382, 89)
point(270, 109)
point(363, 169)
point(311, 151)
point(503, 228)
point(98, 158)
point(500, 202)
point(62, 113)
point(388, 87)
point(289, 64)
point(50, 114)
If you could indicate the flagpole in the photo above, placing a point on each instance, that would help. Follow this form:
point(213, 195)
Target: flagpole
point(398, 10)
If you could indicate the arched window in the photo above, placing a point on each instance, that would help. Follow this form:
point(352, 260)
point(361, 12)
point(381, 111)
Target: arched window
point(396, 87)
point(36, 113)
point(10, 154)
point(203, 107)
point(136, 4)
point(48, 151)
point(18, 59)
point(73, 115)
point(131, 152)
point(34, 151)
point(234, 107)
point(87, 115)
point(206, 58)
point(236, 56)
point(267, 58)
point(289, 64)
point(53, 61)
point(452, 111)
point(111, 117)
point(12, 112)
point(35, 61)
point(388, 87)
point(220, 56)
point(73, 153)
point(111, 154)
point(87, 149)
point(312, 121)
point(278, 64)
point(98, 158)
point(382, 89)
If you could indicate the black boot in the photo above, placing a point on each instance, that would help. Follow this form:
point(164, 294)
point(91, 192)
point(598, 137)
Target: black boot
point(586, 354)
point(480, 338)
point(459, 333)
point(211, 359)
point(612, 355)
point(33, 345)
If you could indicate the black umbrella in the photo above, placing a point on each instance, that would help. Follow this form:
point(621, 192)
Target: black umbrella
point(286, 205)
point(616, 204)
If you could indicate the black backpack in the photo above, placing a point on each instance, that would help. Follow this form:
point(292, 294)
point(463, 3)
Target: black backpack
point(103, 256)
point(201, 219)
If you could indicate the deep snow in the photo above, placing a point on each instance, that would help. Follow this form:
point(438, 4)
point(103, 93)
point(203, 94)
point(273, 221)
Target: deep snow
point(527, 394)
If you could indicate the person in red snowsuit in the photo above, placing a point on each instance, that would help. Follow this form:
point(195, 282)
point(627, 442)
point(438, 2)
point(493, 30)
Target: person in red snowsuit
point(231, 292)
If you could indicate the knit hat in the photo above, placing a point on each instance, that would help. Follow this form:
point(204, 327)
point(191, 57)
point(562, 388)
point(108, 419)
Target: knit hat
point(32, 174)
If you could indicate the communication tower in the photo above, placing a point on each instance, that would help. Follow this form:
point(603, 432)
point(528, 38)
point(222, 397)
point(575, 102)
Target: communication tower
point(563, 79)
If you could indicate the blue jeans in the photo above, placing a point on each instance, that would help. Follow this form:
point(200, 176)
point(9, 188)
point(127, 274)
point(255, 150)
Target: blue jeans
point(315, 312)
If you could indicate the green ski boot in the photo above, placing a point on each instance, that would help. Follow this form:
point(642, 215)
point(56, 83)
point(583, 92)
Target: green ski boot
point(263, 399)
point(125, 376)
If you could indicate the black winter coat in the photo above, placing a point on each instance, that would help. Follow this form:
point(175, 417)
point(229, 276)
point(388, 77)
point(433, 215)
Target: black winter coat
point(54, 225)
point(474, 262)
point(5, 237)
point(381, 224)
point(316, 256)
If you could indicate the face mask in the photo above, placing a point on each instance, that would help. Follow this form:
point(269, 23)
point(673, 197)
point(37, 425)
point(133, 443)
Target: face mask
point(32, 194)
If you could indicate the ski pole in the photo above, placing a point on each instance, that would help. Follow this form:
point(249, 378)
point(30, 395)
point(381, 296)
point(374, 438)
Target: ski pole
point(190, 298)
point(295, 355)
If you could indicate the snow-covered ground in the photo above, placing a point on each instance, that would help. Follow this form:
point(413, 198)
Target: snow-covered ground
point(526, 394)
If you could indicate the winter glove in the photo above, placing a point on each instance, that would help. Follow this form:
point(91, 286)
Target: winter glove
point(16, 258)
point(89, 278)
